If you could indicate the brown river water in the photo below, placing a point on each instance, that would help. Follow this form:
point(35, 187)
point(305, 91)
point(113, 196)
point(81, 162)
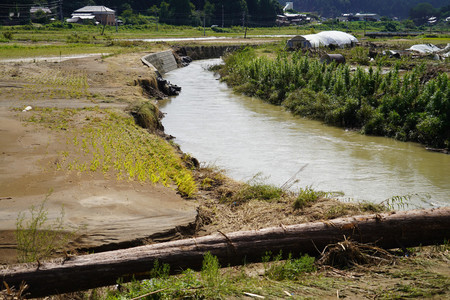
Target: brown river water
point(246, 136)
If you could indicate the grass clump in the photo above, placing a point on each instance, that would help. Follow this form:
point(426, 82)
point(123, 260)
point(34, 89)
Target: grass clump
point(307, 196)
point(210, 176)
point(256, 189)
point(348, 253)
point(291, 268)
point(147, 116)
point(209, 283)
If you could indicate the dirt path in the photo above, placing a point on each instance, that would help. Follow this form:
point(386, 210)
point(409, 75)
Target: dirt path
point(104, 211)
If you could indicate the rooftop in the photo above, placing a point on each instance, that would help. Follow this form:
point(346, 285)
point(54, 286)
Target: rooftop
point(97, 9)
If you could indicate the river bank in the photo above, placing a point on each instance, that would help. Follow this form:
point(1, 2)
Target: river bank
point(408, 106)
point(247, 136)
point(49, 154)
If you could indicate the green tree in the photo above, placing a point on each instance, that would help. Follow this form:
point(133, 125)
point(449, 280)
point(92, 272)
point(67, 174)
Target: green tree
point(390, 26)
point(180, 12)
point(408, 24)
point(421, 12)
point(164, 12)
point(41, 17)
point(208, 10)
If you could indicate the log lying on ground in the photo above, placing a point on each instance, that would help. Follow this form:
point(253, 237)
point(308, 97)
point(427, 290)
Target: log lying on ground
point(391, 230)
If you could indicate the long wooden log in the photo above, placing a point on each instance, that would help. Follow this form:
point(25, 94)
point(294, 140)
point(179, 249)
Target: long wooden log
point(391, 230)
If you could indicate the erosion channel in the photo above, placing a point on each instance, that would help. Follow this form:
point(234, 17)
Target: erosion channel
point(246, 136)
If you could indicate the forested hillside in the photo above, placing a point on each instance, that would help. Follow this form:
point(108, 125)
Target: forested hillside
point(177, 12)
point(254, 13)
point(390, 8)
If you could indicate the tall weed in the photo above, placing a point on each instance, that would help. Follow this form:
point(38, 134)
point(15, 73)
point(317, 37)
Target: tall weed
point(36, 237)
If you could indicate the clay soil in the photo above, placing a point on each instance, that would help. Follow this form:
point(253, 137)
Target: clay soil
point(104, 211)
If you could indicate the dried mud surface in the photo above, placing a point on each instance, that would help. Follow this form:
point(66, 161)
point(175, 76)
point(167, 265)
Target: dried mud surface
point(104, 211)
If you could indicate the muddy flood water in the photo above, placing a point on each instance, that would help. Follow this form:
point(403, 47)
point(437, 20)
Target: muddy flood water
point(246, 136)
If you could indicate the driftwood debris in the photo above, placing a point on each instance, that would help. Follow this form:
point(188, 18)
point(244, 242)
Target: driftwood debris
point(390, 230)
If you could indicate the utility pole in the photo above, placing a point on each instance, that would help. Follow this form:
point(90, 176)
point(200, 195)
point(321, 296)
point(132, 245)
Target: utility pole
point(204, 23)
point(104, 19)
point(244, 24)
point(115, 19)
point(60, 11)
point(365, 25)
point(222, 15)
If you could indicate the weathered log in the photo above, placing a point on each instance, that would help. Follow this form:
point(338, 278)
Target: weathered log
point(391, 230)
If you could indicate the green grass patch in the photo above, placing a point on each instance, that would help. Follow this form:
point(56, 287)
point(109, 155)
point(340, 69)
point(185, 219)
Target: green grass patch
point(256, 189)
point(307, 196)
point(291, 268)
point(16, 50)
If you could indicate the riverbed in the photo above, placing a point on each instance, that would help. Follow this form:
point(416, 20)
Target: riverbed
point(248, 137)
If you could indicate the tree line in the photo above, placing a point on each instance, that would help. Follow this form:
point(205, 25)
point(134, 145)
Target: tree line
point(211, 12)
point(225, 13)
point(389, 8)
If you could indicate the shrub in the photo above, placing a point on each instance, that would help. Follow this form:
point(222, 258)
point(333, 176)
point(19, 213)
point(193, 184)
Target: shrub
point(8, 35)
point(146, 115)
point(360, 55)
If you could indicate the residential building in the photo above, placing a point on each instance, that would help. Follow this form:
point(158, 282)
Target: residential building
point(98, 14)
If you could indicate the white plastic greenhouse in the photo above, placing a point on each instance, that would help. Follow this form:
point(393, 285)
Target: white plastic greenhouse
point(323, 39)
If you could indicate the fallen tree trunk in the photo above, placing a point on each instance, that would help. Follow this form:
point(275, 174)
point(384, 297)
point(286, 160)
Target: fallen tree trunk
point(391, 230)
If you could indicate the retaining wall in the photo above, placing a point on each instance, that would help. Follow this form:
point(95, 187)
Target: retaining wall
point(163, 61)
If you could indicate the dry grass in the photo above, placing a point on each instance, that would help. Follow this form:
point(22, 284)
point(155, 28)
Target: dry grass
point(218, 210)
point(347, 254)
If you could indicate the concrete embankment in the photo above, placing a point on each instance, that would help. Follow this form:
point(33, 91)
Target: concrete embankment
point(162, 62)
point(169, 60)
point(205, 52)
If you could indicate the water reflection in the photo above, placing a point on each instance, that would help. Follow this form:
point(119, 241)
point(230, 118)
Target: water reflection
point(246, 136)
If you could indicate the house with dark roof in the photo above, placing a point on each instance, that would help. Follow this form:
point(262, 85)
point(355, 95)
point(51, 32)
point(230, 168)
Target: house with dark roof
point(98, 14)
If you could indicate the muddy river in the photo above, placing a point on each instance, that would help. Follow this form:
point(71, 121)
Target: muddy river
point(246, 136)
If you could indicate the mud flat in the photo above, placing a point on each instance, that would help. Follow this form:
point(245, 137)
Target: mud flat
point(104, 211)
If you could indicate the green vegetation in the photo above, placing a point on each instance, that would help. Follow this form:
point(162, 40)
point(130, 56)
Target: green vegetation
point(37, 239)
point(291, 268)
point(382, 7)
point(111, 142)
point(89, 36)
point(212, 282)
point(302, 278)
point(408, 107)
point(146, 115)
point(307, 196)
point(257, 189)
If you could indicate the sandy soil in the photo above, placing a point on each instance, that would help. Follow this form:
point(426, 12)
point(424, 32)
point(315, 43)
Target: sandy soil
point(104, 211)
